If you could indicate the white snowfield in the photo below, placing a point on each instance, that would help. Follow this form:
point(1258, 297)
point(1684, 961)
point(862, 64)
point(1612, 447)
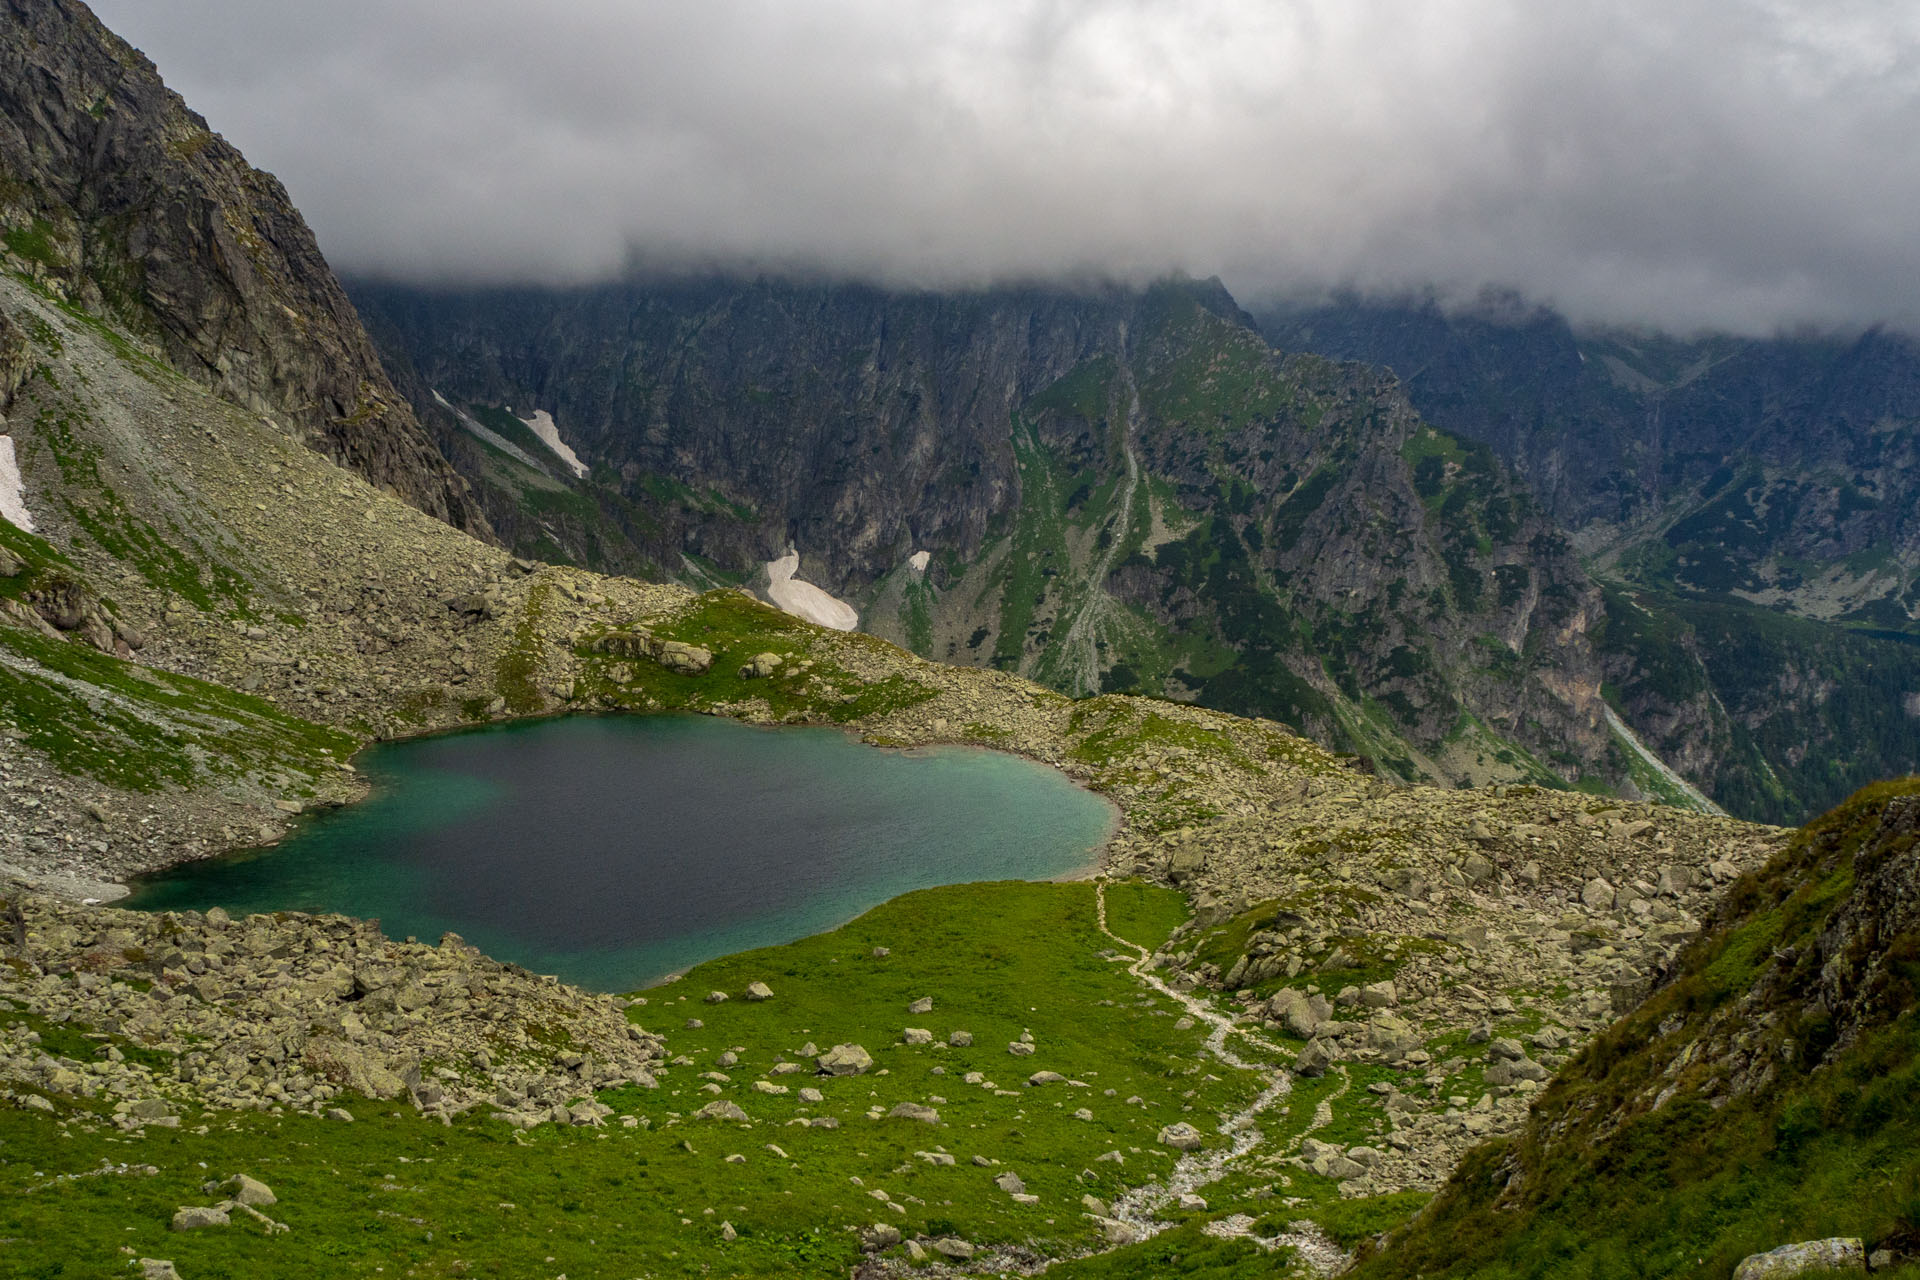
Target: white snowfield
point(13, 488)
point(803, 599)
point(919, 561)
point(543, 425)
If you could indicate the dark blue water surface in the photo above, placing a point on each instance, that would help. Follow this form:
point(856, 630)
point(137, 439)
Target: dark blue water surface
point(614, 851)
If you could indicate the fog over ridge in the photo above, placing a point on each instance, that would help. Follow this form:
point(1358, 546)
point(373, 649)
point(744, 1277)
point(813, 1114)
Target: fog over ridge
point(1740, 164)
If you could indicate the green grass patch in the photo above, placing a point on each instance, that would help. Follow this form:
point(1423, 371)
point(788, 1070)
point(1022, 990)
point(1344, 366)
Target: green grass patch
point(144, 729)
point(734, 627)
point(1145, 914)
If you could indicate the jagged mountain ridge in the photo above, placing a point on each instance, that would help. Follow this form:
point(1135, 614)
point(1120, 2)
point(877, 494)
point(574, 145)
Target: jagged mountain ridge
point(1116, 489)
point(120, 199)
point(1782, 470)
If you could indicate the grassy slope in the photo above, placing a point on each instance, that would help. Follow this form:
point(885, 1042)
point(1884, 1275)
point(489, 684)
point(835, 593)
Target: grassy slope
point(1690, 1188)
point(998, 959)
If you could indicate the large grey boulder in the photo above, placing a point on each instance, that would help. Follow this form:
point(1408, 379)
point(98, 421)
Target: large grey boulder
point(1181, 1136)
point(353, 1068)
point(914, 1111)
point(192, 1218)
point(251, 1191)
point(1839, 1254)
point(686, 659)
point(722, 1110)
point(1313, 1060)
point(845, 1060)
point(1597, 895)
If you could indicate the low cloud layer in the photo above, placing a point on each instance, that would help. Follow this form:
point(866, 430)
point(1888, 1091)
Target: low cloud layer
point(1731, 163)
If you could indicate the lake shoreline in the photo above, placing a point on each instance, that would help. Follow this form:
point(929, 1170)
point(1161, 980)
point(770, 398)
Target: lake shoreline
point(822, 831)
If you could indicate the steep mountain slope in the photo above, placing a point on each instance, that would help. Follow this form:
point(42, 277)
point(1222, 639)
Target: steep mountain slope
point(115, 196)
point(1717, 483)
point(1779, 471)
point(1763, 1094)
point(1104, 490)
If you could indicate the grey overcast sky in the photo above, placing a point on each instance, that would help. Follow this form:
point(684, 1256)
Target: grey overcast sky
point(1731, 163)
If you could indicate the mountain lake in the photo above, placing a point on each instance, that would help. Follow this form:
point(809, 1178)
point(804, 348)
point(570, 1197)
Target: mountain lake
point(615, 851)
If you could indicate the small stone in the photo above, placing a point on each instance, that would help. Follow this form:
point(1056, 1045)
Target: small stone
point(919, 1035)
point(759, 991)
point(923, 1005)
point(716, 997)
point(960, 1039)
point(914, 1111)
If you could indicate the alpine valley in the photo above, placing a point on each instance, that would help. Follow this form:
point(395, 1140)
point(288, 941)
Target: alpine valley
point(1134, 491)
point(1444, 714)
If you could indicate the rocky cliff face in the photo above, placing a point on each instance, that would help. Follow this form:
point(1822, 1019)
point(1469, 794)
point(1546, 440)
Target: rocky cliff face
point(1114, 490)
point(119, 200)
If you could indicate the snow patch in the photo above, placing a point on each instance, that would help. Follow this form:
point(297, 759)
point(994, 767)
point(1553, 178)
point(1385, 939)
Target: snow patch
point(543, 425)
point(919, 561)
point(803, 599)
point(13, 488)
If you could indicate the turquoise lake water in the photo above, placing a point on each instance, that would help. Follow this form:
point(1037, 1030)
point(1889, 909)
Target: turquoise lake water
point(615, 851)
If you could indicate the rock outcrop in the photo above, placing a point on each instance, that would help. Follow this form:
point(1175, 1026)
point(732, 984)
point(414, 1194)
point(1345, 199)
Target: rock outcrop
point(292, 1012)
point(117, 197)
